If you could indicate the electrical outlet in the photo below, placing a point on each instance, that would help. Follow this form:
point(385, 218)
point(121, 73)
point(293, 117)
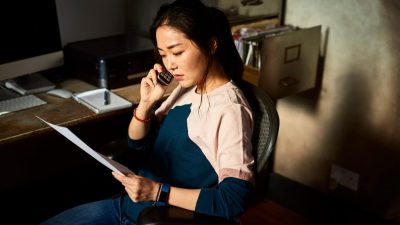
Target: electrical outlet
point(345, 177)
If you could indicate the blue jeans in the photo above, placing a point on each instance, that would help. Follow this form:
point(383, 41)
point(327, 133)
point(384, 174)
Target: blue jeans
point(107, 212)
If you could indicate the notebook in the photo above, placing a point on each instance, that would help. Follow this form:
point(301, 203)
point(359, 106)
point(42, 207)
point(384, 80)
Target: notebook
point(102, 100)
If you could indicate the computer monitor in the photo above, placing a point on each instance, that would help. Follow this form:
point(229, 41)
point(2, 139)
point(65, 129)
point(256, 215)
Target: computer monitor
point(30, 37)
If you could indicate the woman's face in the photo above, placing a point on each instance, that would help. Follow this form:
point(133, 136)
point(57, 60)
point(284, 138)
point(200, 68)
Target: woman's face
point(181, 56)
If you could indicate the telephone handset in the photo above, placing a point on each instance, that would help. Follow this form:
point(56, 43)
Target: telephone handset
point(164, 77)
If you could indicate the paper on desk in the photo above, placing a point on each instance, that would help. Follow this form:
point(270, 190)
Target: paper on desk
point(111, 164)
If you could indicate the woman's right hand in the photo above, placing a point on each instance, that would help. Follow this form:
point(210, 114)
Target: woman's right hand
point(151, 90)
point(150, 93)
point(138, 188)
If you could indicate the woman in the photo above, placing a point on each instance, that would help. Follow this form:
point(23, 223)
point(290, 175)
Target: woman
point(200, 155)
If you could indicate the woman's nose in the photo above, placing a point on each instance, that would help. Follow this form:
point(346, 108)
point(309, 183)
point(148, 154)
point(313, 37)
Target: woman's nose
point(170, 64)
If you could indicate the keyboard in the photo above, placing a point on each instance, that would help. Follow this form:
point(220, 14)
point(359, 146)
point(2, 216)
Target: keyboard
point(19, 103)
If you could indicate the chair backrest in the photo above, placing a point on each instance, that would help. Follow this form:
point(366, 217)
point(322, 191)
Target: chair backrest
point(266, 127)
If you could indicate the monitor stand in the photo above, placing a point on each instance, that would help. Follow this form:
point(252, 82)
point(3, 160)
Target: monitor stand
point(6, 93)
point(30, 84)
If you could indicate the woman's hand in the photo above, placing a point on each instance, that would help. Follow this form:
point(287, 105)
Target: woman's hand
point(139, 188)
point(150, 90)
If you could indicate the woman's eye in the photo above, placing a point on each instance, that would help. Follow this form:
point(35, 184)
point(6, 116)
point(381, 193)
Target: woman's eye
point(177, 53)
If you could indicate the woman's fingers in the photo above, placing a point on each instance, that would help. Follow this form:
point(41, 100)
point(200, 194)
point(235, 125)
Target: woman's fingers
point(157, 67)
point(150, 79)
point(138, 188)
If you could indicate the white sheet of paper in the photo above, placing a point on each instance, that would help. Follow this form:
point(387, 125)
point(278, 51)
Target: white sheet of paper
point(111, 164)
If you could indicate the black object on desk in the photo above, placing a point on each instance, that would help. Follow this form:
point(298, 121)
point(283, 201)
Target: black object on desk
point(114, 62)
point(103, 80)
point(106, 98)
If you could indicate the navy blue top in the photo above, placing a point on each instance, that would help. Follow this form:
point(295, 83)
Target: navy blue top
point(175, 159)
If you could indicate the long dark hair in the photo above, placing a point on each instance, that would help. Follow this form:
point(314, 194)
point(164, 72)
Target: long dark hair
point(202, 25)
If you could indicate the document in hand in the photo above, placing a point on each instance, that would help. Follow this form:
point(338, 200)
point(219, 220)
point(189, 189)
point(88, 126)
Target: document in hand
point(102, 100)
point(111, 164)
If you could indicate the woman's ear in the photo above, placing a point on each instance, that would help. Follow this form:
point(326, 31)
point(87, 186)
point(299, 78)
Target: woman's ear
point(213, 45)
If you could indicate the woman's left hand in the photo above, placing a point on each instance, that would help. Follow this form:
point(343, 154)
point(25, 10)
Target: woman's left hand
point(139, 188)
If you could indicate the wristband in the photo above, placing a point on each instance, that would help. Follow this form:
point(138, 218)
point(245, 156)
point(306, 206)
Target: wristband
point(164, 194)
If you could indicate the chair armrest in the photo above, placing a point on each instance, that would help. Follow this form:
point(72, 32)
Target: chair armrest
point(170, 215)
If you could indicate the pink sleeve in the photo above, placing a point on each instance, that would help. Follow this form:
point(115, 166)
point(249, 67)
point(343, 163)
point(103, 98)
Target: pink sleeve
point(234, 144)
point(224, 136)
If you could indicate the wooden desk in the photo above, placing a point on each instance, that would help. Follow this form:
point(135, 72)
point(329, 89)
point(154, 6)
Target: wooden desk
point(18, 125)
point(31, 151)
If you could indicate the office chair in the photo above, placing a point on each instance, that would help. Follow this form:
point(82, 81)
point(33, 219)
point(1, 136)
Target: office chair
point(266, 126)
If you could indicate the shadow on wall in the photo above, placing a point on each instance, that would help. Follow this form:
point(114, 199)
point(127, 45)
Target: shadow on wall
point(352, 119)
point(361, 150)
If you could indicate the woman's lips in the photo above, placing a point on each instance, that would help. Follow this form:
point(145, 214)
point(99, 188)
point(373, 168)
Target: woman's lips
point(178, 77)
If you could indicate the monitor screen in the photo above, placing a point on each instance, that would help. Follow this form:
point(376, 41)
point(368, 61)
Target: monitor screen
point(30, 37)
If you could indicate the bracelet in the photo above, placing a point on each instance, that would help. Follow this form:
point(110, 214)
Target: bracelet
point(146, 120)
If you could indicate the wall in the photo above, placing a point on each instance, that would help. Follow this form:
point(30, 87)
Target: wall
point(352, 118)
